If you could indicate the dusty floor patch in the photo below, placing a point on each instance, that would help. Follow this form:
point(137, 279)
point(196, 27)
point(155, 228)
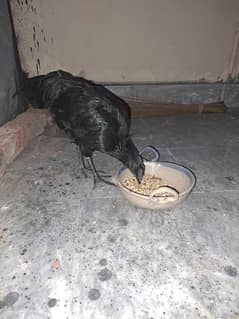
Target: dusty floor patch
point(68, 251)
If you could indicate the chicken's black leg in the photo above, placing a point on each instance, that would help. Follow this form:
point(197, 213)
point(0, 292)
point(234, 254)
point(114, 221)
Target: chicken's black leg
point(96, 176)
point(83, 166)
point(89, 167)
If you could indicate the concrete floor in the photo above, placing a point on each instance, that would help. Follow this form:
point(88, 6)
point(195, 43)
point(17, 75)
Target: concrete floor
point(70, 252)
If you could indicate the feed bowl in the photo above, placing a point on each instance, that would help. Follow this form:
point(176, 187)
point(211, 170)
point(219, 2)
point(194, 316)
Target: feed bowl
point(178, 183)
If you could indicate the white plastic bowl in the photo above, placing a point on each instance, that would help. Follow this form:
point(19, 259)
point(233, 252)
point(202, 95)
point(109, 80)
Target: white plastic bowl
point(180, 180)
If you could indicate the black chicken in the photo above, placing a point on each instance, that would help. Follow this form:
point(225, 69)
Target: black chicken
point(92, 116)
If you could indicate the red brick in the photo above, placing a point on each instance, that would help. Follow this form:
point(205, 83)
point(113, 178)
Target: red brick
point(2, 164)
point(16, 134)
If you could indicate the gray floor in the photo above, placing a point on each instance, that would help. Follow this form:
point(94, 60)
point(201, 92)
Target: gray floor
point(70, 252)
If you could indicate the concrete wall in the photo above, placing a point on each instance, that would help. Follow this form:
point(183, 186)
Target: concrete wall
point(136, 40)
point(10, 102)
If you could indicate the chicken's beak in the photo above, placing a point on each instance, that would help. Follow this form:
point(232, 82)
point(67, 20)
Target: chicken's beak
point(140, 175)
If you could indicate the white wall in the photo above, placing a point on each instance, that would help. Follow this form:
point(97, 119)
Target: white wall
point(129, 40)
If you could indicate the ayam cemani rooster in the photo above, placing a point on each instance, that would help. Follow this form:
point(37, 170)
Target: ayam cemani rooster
point(91, 115)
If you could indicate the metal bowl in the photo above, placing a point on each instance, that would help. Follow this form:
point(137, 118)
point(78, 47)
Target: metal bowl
point(179, 178)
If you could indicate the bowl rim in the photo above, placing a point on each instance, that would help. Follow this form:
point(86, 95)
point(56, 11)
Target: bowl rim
point(166, 163)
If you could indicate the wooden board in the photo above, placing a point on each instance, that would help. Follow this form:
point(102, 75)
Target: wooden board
point(144, 109)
